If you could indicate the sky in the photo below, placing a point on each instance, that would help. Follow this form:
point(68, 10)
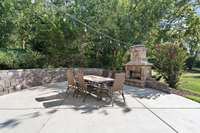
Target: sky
point(198, 11)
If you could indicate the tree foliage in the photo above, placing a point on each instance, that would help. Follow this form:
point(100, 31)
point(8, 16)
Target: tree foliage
point(51, 29)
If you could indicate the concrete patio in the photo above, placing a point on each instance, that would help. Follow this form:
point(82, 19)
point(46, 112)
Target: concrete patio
point(45, 109)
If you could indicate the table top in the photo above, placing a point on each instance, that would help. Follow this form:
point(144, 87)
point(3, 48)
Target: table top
point(97, 79)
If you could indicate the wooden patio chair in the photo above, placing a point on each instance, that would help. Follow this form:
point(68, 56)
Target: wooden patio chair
point(85, 88)
point(81, 83)
point(105, 73)
point(71, 82)
point(108, 73)
point(116, 87)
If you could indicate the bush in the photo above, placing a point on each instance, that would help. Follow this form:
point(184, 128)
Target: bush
point(190, 62)
point(7, 59)
point(197, 63)
point(169, 62)
point(14, 59)
point(30, 59)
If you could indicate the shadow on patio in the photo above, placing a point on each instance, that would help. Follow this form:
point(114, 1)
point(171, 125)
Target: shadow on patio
point(143, 92)
point(58, 99)
point(18, 119)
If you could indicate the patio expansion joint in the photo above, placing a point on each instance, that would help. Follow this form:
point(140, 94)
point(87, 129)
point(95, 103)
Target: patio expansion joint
point(43, 125)
point(107, 107)
point(166, 123)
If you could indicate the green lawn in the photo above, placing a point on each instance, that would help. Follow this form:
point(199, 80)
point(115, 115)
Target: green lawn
point(190, 81)
point(194, 98)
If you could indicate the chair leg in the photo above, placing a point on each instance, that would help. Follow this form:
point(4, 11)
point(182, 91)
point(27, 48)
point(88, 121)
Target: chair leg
point(78, 92)
point(75, 93)
point(112, 99)
point(86, 95)
point(99, 97)
point(123, 97)
point(67, 90)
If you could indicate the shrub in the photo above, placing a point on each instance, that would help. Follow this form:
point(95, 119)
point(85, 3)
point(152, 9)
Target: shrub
point(169, 61)
point(197, 63)
point(190, 62)
point(7, 59)
point(14, 59)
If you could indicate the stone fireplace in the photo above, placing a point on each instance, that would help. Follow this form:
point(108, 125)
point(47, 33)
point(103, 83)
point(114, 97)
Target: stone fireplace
point(138, 69)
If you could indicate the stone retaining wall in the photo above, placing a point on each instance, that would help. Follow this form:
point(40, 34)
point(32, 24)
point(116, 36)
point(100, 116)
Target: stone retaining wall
point(158, 86)
point(14, 80)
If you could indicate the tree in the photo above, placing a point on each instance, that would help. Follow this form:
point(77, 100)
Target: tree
point(82, 32)
point(181, 23)
point(6, 23)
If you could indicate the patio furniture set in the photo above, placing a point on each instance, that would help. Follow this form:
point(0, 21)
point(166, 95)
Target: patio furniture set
point(99, 86)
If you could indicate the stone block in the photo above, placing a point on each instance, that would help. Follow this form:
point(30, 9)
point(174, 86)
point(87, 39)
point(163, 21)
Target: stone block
point(158, 86)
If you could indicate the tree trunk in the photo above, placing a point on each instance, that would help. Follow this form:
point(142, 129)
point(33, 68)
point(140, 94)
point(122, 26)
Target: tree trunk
point(23, 44)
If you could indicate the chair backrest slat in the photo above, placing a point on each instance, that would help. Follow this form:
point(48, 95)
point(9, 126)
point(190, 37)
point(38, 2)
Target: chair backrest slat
point(118, 82)
point(70, 78)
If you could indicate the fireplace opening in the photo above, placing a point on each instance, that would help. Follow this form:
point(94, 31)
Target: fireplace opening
point(134, 75)
point(131, 75)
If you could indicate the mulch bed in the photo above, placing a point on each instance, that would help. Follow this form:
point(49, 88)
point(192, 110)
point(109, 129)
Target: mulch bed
point(183, 92)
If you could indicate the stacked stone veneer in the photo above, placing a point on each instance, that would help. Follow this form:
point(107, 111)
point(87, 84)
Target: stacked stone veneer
point(14, 80)
point(157, 85)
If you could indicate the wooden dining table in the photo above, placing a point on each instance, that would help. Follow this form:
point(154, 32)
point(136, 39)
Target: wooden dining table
point(98, 82)
point(97, 79)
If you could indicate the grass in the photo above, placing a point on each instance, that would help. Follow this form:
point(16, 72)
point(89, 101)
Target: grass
point(196, 69)
point(190, 81)
point(194, 98)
